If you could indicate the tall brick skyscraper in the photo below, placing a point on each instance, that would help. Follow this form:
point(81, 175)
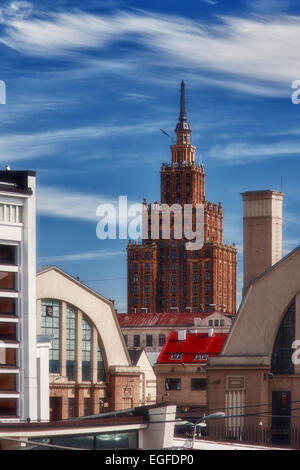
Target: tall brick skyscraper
point(163, 276)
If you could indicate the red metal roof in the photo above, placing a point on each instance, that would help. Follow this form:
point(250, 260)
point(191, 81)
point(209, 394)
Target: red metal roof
point(161, 319)
point(194, 349)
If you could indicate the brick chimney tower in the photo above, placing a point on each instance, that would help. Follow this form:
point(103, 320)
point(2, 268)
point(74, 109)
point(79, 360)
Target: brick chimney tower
point(262, 224)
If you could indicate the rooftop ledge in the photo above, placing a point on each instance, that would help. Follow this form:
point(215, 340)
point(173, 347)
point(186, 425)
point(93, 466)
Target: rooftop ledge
point(228, 361)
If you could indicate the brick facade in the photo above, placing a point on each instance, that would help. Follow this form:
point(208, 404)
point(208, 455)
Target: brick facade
point(163, 275)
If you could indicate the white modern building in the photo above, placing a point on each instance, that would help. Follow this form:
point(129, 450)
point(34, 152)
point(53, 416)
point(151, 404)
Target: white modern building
point(24, 391)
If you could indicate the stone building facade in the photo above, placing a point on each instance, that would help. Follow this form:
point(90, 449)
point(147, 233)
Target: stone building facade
point(256, 378)
point(164, 273)
point(24, 389)
point(150, 331)
point(90, 370)
point(181, 369)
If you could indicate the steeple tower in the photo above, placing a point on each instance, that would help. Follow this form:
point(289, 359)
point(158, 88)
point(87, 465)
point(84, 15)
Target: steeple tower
point(183, 151)
point(182, 124)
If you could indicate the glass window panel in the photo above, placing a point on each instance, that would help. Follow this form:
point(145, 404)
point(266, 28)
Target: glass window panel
point(101, 376)
point(173, 384)
point(71, 407)
point(7, 280)
point(7, 306)
point(117, 441)
point(8, 331)
point(7, 382)
point(8, 407)
point(198, 384)
point(50, 326)
point(87, 406)
point(149, 340)
point(7, 254)
point(79, 442)
point(71, 325)
point(86, 350)
point(8, 356)
point(282, 352)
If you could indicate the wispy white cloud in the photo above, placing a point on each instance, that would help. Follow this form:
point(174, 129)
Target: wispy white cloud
point(289, 244)
point(136, 97)
point(270, 43)
point(245, 152)
point(210, 2)
point(14, 147)
point(55, 201)
point(267, 6)
point(86, 256)
point(15, 10)
point(291, 218)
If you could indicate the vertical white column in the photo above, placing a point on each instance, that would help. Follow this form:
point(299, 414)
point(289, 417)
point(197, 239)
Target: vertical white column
point(43, 381)
point(28, 298)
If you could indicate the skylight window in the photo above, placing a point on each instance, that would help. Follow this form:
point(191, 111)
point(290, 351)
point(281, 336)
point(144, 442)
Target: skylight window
point(200, 357)
point(176, 356)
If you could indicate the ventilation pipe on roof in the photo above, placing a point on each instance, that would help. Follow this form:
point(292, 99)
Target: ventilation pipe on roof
point(210, 332)
point(181, 335)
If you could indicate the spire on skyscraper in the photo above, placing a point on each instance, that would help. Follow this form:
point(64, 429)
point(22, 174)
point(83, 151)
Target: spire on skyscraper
point(182, 124)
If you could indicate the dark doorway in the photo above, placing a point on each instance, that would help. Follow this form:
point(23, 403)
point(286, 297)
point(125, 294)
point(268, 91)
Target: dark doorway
point(281, 418)
point(55, 408)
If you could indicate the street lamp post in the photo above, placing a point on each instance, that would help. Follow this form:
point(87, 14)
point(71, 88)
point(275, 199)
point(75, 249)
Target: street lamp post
point(217, 415)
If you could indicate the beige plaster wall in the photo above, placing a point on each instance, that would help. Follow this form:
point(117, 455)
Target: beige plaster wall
point(257, 322)
point(54, 284)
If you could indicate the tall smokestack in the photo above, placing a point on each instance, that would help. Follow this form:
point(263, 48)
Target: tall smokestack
point(262, 232)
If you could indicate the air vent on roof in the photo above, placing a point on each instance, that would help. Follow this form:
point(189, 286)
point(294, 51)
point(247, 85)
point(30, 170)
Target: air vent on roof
point(181, 335)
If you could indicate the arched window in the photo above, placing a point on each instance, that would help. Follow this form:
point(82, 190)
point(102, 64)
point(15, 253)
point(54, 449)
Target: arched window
point(86, 350)
point(282, 351)
point(100, 366)
point(71, 329)
point(50, 326)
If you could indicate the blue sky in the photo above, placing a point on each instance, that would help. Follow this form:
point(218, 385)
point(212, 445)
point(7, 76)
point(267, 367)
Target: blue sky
point(90, 84)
